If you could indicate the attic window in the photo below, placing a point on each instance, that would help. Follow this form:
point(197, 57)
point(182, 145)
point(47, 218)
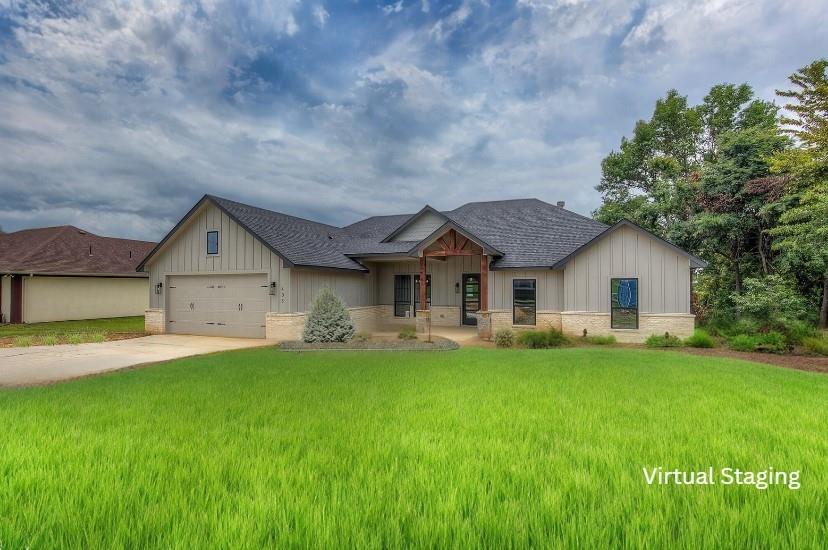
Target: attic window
point(212, 243)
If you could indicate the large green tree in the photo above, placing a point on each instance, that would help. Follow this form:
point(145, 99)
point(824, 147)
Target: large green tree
point(802, 234)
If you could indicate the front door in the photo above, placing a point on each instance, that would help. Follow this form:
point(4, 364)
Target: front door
point(471, 298)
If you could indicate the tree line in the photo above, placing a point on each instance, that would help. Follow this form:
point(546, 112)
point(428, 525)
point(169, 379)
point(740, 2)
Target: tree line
point(742, 184)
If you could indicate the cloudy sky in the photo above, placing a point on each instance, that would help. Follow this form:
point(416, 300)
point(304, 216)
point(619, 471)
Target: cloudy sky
point(117, 116)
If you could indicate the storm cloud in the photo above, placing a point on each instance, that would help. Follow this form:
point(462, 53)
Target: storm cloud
point(118, 116)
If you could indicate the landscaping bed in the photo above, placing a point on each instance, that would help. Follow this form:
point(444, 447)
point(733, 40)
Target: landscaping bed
point(378, 344)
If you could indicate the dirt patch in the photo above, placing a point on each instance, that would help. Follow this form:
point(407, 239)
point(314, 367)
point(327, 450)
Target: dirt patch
point(811, 363)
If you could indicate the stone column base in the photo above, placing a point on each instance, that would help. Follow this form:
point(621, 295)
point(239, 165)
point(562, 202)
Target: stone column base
point(484, 325)
point(423, 318)
point(155, 321)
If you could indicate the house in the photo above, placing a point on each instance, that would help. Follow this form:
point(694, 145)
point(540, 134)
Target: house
point(62, 273)
point(231, 269)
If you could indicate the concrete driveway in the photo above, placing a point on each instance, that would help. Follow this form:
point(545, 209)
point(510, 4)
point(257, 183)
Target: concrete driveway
point(42, 364)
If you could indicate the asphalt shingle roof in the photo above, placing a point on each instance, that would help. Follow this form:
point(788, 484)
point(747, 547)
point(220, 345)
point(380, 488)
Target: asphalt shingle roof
point(529, 232)
point(66, 249)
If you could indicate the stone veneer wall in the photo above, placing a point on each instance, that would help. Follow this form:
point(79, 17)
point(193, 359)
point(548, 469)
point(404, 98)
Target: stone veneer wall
point(596, 323)
point(155, 321)
point(284, 327)
point(488, 323)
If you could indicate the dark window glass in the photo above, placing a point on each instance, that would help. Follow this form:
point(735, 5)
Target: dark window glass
point(523, 301)
point(212, 242)
point(402, 295)
point(624, 303)
point(417, 292)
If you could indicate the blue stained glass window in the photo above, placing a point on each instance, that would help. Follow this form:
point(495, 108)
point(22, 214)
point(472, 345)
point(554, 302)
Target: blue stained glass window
point(624, 303)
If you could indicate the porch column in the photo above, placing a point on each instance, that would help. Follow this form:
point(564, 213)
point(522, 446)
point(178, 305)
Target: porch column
point(484, 282)
point(423, 283)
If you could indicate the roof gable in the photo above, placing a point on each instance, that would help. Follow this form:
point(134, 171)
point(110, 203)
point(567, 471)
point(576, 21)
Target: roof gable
point(417, 227)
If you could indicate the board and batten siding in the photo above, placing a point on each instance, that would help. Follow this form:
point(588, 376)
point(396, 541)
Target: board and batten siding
point(355, 289)
point(421, 228)
point(549, 288)
point(663, 273)
point(185, 253)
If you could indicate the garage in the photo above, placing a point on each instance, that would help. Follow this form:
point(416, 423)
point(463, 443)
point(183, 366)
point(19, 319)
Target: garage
point(217, 305)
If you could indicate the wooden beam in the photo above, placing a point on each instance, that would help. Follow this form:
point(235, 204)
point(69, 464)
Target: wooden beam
point(443, 244)
point(463, 244)
point(423, 283)
point(484, 283)
point(435, 253)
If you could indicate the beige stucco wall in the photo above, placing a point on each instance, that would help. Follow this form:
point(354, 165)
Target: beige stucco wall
point(663, 273)
point(5, 298)
point(64, 298)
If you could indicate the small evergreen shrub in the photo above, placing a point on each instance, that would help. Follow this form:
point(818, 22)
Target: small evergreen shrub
point(607, 340)
point(328, 319)
point(700, 339)
point(771, 342)
point(539, 339)
point(665, 340)
point(816, 344)
point(743, 342)
point(504, 338)
point(408, 332)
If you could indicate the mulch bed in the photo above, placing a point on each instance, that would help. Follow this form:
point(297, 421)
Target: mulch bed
point(438, 344)
point(811, 363)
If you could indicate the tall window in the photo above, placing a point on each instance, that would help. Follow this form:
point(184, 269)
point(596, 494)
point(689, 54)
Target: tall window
point(212, 242)
point(624, 303)
point(402, 295)
point(417, 292)
point(524, 301)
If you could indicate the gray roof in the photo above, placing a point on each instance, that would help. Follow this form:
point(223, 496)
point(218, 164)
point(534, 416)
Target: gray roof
point(528, 232)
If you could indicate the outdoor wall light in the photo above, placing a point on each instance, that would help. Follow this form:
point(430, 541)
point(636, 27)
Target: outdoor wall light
point(272, 289)
point(457, 288)
point(159, 287)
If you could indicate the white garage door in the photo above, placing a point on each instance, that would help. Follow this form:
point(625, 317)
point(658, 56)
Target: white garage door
point(217, 305)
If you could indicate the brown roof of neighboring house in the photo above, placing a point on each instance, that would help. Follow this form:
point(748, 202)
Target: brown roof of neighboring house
point(66, 250)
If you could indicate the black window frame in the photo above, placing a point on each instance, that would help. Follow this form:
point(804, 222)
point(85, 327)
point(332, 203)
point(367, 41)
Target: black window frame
point(401, 291)
point(216, 253)
point(637, 308)
point(534, 305)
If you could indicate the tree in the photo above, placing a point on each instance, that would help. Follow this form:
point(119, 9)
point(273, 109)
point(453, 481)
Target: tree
point(803, 230)
point(328, 319)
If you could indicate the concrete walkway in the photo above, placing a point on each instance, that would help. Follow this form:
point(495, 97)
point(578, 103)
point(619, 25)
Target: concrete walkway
point(43, 364)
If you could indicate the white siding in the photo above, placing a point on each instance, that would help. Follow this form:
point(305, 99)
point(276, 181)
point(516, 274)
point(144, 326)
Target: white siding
point(663, 273)
point(239, 252)
point(421, 228)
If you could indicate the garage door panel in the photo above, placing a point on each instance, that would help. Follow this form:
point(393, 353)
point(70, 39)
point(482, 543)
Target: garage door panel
point(215, 305)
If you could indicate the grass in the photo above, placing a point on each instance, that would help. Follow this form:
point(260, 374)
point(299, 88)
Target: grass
point(70, 332)
point(478, 447)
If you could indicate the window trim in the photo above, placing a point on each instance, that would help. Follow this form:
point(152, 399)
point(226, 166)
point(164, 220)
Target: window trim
point(637, 302)
point(218, 242)
point(535, 316)
point(410, 297)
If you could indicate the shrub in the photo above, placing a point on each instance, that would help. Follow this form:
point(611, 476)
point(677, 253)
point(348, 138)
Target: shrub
point(362, 336)
point(743, 342)
point(700, 339)
point(665, 340)
point(796, 331)
point(504, 338)
point(816, 344)
point(600, 340)
point(328, 319)
point(408, 332)
point(773, 300)
point(49, 340)
point(23, 341)
point(771, 342)
point(538, 339)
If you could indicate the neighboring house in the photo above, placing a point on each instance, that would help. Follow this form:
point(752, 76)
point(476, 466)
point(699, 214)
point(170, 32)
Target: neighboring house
point(236, 270)
point(62, 273)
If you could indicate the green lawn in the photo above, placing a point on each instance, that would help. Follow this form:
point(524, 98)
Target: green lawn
point(61, 330)
point(476, 447)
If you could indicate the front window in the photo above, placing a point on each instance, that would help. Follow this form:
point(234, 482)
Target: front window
point(524, 301)
point(624, 303)
point(402, 295)
point(212, 242)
